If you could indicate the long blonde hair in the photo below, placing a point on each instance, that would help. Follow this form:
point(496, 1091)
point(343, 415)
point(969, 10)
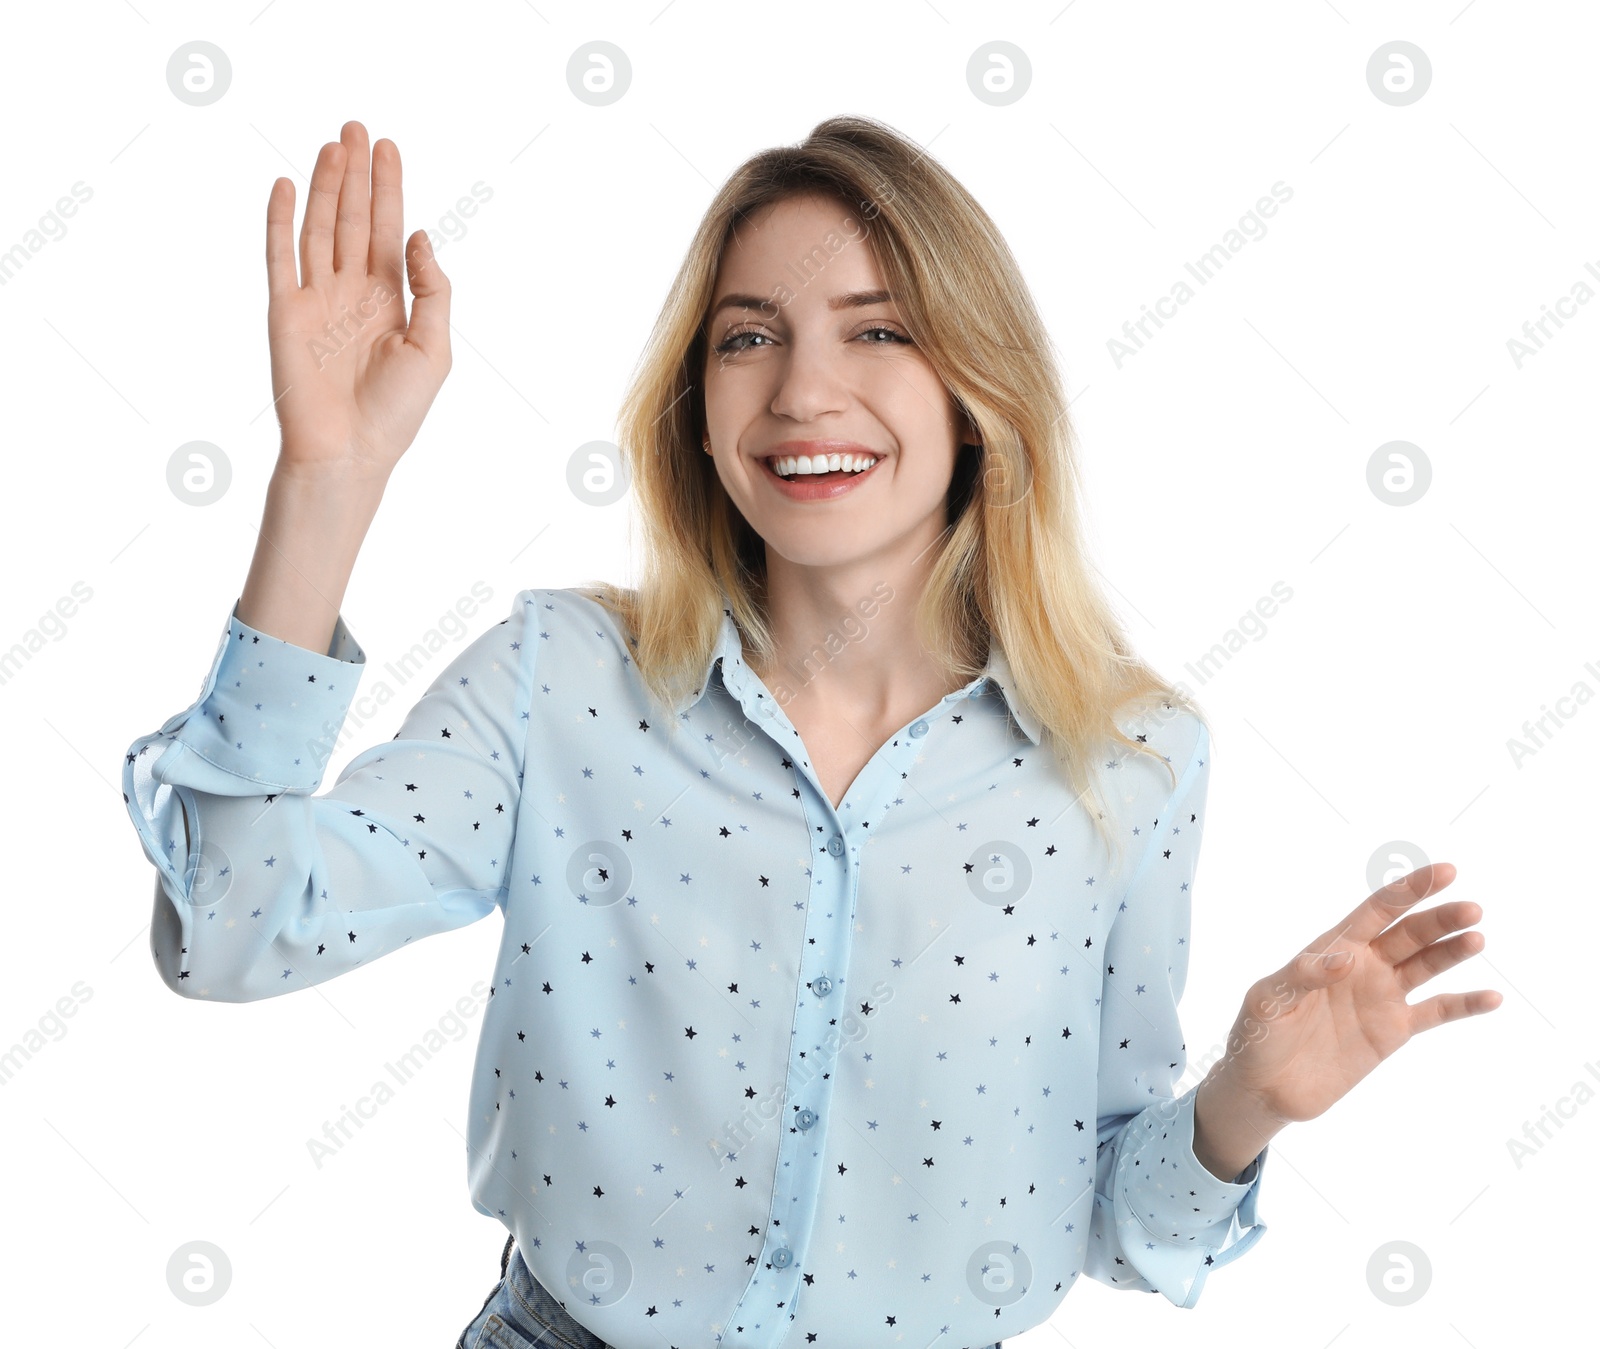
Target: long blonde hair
point(1013, 565)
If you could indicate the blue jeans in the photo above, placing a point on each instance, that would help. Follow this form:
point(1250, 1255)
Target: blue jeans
point(520, 1314)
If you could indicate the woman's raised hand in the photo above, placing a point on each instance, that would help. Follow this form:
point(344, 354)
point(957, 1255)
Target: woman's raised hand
point(351, 379)
point(1308, 1033)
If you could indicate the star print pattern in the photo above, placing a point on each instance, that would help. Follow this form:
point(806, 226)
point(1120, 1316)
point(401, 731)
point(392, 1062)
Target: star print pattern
point(794, 1068)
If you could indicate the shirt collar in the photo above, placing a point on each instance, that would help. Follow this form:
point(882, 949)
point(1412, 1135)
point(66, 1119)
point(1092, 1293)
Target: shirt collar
point(729, 649)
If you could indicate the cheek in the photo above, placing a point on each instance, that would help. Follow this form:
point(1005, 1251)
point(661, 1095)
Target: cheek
point(915, 411)
point(734, 394)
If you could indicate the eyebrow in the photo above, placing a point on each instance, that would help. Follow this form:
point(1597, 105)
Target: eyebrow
point(854, 299)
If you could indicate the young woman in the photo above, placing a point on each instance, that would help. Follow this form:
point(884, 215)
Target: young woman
point(844, 863)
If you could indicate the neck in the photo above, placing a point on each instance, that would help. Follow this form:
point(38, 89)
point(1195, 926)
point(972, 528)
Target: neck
point(848, 643)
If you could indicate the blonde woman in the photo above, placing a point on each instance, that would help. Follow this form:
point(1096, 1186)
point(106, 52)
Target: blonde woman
point(844, 864)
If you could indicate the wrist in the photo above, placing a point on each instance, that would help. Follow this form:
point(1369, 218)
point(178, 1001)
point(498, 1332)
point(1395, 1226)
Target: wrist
point(336, 482)
point(1231, 1127)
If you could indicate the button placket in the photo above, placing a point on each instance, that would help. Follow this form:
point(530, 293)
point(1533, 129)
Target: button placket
point(830, 913)
point(814, 1057)
point(826, 928)
point(798, 1152)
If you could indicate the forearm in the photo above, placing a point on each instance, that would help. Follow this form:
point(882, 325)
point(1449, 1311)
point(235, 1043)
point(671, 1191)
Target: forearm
point(1229, 1130)
point(311, 531)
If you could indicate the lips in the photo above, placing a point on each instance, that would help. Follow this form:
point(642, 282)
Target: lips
point(817, 487)
point(809, 449)
point(812, 448)
point(771, 466)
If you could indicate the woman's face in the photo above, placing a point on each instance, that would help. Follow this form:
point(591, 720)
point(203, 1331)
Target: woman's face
point(798, 359)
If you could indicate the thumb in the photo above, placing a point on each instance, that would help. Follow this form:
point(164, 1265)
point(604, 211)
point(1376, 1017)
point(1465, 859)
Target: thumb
point(1318, 968)
point(430, 309)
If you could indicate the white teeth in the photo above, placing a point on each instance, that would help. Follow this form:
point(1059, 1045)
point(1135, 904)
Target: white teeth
point(789, 464)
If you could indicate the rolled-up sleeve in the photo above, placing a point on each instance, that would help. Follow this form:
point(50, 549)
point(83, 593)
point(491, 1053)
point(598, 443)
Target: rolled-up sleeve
point(277, 889)
point(1162, 1220)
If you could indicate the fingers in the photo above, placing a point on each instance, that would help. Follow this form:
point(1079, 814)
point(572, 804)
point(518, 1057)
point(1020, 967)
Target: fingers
point(281, 278)
point(1419, 930)
point(1442, 1007)
point(354, 217)
point(1373, 922)
point(1438, 958)
point(384, 253)
point(430, 309)
point(1439, 875)
point(322, 200)
point(1386, 904)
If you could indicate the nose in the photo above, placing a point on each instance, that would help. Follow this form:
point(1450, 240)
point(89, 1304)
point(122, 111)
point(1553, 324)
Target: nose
point(810, 382)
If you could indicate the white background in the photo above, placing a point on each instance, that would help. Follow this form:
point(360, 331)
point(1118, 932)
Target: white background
point(1229, 454)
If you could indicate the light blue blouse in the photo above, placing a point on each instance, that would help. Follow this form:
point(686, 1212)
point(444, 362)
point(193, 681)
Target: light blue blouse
point(752, 1067)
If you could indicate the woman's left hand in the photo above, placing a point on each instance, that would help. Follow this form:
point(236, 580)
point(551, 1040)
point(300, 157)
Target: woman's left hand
point(1308, 1033)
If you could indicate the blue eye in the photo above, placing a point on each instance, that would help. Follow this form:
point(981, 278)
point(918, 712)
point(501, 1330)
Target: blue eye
point(898, 337)
point(731, 343)
point(727, 344)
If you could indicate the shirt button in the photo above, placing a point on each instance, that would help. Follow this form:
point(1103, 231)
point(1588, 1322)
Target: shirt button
point(766, 709)
point(836, 846)
point(806, 1118)
point(919, 728)
point(782, 1258)
point(822, 985)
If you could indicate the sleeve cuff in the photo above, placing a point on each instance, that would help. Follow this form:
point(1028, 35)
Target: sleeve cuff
point(269, 712)
point(1175, 1220)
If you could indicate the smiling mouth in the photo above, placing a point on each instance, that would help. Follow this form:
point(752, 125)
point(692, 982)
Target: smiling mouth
point(801, 472)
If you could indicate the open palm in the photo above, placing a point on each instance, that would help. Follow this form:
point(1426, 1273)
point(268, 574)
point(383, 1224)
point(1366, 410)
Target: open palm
point(351, 380)
point(1308, 1033)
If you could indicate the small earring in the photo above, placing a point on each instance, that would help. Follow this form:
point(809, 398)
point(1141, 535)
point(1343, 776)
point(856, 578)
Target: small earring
point(707, 443)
